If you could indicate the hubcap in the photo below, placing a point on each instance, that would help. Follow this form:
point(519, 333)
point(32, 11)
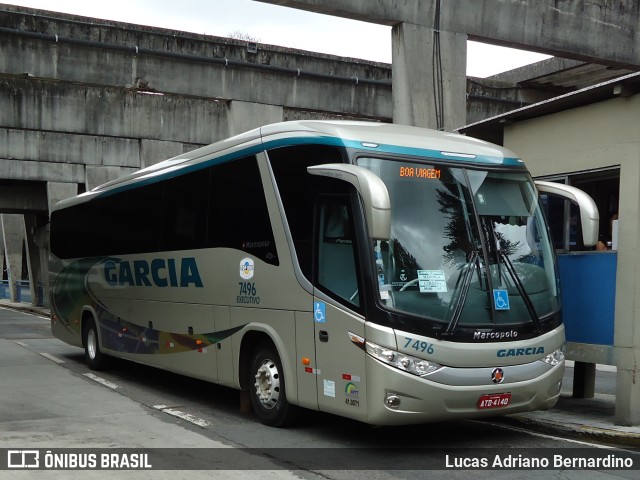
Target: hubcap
point(268, 384)
point(91, 343)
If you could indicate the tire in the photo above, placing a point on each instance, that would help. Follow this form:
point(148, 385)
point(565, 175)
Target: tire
point(267, 388)
point(96, 360)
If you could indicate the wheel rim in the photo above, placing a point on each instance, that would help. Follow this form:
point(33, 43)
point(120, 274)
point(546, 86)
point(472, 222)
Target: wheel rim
point(268, 384)
point(92, 343)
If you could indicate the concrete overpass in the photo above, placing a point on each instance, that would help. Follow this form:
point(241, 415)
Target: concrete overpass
point(429, 42)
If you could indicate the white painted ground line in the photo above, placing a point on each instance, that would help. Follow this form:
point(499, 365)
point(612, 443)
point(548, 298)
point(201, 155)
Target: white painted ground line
point(52, 357)
point(101, 381)
point(184, 416)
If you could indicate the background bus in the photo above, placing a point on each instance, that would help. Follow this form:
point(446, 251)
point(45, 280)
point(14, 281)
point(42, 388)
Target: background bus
point(380, 272)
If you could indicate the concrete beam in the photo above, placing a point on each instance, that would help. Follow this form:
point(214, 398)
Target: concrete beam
point(23, 197)
point(66, 147)
point(17, 169)
point(290, 79)
point(385, 12)
point(106, 111)
point(599, 31)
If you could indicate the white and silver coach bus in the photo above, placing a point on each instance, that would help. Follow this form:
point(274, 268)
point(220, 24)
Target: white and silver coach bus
point(384, 273)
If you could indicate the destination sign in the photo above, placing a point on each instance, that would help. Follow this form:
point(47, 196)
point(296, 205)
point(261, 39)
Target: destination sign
point(426, 173)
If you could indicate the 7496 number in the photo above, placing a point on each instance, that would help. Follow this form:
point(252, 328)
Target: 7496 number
point(419, 346)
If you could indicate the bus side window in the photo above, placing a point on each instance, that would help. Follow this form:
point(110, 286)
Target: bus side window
point(336, 261)
point(298, 190)
point(238, 214)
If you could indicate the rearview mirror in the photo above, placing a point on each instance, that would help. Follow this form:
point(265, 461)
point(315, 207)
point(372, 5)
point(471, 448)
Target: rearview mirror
point(589, 215)
point(372, 190)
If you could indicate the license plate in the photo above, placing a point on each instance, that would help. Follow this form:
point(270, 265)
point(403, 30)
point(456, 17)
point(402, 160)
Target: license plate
point(495, 400)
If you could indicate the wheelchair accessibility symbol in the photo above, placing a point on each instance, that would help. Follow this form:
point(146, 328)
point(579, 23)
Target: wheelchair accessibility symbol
point(501, 299)
point(319, 312)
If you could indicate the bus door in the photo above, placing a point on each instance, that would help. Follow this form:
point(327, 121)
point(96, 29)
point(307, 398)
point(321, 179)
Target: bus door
point(339, 363)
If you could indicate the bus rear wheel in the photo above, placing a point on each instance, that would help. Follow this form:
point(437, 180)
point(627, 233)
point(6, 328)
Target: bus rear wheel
point(267, 387)
point(95, 359)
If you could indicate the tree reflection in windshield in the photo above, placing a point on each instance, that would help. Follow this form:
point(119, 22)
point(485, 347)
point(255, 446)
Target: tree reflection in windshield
point(441, 264)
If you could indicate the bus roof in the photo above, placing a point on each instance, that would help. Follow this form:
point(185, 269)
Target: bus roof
point(362, 135)
point(393, 138)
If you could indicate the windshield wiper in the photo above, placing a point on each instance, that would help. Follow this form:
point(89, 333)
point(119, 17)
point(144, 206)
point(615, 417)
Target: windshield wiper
point(465, 279)
point(518, 283)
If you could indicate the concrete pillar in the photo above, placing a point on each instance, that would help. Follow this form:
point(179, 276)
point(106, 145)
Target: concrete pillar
point(2, 250)
point(244, 116)
point(41, 239)
point(34, 265)
point(627, 323)
point(424, 83)
point(13, 233)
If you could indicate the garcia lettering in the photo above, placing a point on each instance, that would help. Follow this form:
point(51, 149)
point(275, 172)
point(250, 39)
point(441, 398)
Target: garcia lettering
point(158, 272)
point(516, 352)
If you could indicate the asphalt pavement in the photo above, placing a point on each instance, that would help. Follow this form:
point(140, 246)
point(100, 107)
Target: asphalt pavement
point(588, 419)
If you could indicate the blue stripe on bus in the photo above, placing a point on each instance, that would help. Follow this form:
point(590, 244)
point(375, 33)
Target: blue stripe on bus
point(331, 141)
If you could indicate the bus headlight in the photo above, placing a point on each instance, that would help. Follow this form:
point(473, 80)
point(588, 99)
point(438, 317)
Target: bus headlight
point(555, 358)
point(402, 361)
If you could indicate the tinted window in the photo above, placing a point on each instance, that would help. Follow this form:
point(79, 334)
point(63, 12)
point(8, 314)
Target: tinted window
point(113, 225)
point(299, 190)
point(336, 268)
point(220, 206)
point(184, 220)
point(238, 210)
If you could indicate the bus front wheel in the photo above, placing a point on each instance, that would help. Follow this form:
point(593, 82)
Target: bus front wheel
point(266, 384)
point(95, 359)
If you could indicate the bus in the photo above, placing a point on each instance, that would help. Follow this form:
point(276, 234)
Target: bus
point(385, 273)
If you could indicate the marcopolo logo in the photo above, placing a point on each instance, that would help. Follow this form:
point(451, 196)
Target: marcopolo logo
point(494, 335)
point(159, 272)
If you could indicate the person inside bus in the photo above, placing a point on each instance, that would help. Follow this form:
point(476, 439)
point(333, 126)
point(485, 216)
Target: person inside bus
point(605, 241)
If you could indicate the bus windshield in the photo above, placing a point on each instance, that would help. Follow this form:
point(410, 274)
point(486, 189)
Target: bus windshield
point(468, 247)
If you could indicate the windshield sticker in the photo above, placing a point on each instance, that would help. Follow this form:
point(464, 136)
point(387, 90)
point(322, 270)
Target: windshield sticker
point(246, 268)
point(501, 299)
point(402, 279)
point(432, 281)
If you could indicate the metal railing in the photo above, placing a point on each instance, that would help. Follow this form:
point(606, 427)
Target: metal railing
point(23, 292)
